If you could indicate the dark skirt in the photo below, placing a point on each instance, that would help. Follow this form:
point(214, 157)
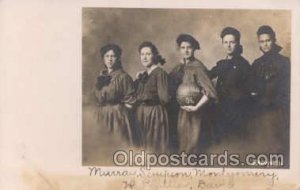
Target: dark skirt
point(118, 121)
point(230, 121)
point(269, 131)
point(189, 128)
point(152, 121)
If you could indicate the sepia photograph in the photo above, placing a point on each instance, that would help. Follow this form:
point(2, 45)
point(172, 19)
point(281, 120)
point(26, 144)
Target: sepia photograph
point(183, 87)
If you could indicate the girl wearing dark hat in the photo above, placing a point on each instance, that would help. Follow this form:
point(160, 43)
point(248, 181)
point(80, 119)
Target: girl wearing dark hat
point(152, 95)
point(272, 92)
point(114, 92)
point(233, 74)
point(193, 90)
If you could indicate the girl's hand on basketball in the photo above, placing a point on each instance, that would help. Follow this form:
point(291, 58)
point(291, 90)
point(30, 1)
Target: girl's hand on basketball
point(190, 108)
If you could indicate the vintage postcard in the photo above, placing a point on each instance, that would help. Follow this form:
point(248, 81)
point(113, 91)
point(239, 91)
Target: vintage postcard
point(148, 95)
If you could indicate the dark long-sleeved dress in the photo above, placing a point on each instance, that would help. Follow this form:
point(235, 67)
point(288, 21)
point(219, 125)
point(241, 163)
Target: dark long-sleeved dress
point(233, 77)
point(116, 89)
point(152, 95)
point(270, 123)
point(189, 123)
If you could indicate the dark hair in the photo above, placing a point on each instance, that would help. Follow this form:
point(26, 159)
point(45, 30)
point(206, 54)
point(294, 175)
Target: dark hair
point(157, 57)
point(265, 29)
point(188, 38)
point(116, 49)
point(233, 31)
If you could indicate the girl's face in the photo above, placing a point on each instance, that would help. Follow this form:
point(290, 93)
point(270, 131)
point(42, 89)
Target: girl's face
point(146, 56)
point(265, 42)
point(186, 50)
point(110, 59)
point(229, 43)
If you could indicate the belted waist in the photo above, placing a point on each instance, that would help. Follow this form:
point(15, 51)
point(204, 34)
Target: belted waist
point(149, 102)
point(109, 103)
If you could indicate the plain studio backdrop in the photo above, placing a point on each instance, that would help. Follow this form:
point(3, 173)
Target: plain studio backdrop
point(130, 27)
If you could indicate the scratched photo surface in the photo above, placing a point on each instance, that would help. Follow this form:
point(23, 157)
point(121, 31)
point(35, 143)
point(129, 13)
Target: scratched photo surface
point(128, 28)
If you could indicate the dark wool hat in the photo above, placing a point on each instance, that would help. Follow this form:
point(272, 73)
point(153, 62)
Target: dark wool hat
point(188, 38)
point(232, 31)
point(265, 29)
point(117, 50)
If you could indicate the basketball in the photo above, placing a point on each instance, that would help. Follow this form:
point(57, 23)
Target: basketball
point(188, 94)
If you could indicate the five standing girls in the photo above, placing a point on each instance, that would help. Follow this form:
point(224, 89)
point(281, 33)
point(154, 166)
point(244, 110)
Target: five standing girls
point(136, 111)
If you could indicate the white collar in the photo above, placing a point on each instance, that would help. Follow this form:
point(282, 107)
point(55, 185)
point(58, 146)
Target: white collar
point(228, 58)
point(187, 61)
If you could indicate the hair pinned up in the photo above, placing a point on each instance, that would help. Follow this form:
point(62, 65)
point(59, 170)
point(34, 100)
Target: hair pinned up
point(157, 57)
point(232, 31)
point(265, 29)
point(188, 38)
point(117, 50)
point(236, 34)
